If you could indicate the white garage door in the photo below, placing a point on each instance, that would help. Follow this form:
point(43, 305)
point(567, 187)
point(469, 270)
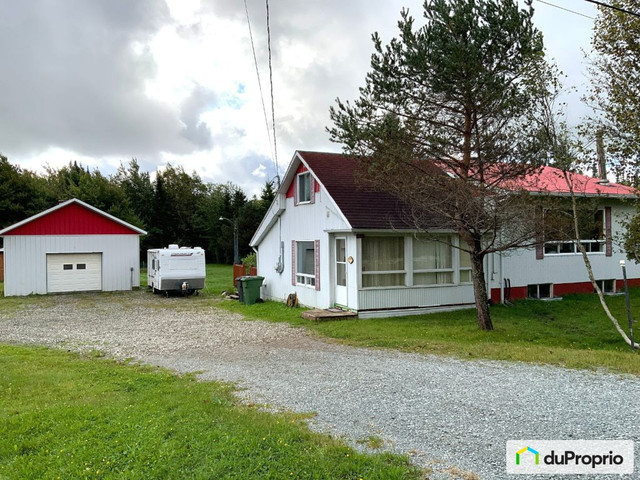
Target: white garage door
point(74, 272)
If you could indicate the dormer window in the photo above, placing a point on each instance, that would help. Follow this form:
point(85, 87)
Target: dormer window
point(304, 187)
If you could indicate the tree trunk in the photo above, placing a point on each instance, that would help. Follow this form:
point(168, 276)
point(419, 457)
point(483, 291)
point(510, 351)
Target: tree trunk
point(587, 264)
point(480, 292)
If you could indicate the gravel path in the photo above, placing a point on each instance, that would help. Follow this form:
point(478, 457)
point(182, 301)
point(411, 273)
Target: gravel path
point(450, 415)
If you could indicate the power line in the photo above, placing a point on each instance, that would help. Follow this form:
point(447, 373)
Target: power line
point(273, 112)
point(613, 7)
point(566, 9)
point(255, 61)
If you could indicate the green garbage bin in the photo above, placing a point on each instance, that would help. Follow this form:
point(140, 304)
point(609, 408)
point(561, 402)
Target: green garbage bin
point(251, 289)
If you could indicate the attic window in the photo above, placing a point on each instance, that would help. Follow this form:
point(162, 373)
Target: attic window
point(304, 188)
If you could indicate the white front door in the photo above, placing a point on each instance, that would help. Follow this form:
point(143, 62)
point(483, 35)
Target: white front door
point(341, 271)
point(74, 272)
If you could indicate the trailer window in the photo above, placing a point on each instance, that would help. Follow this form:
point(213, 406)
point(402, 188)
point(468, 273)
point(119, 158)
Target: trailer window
point(81, 266)
point(153, 264)
point(67, 266)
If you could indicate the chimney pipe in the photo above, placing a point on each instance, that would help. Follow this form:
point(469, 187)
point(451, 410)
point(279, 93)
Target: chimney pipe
point(602, 163)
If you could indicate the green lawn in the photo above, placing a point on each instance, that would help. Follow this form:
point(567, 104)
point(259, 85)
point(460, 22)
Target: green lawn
point(573, 332)
point(71, 417)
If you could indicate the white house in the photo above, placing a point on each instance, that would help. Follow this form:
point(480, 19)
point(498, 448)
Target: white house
point(337, 245)
point(68, 248)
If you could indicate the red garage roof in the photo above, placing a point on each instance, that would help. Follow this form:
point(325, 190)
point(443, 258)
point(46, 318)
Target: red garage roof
point(72, 217)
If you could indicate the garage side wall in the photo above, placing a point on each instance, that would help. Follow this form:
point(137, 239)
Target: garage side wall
point(26, 260)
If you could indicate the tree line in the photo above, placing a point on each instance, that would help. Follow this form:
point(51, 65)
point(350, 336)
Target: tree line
point(173, 207)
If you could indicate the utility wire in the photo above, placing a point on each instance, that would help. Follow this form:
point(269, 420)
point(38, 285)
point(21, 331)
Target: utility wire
point(619, 9)
point(566, 9)
point(273, 112)
point(255, 61)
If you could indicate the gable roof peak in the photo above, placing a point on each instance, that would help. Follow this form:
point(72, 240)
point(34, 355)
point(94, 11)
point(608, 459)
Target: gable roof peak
point(65, 204)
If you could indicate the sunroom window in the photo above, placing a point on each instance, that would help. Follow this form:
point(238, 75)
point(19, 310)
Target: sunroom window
point(465, 267)
point(432, 261)
point(383, 262)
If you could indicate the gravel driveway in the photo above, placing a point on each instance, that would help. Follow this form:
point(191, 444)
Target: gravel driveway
point(450, 415)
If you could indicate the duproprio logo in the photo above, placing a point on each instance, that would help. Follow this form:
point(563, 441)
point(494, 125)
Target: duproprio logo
point(570, 456)
point(527, 449)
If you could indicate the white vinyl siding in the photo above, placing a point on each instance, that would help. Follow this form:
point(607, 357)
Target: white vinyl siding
point(26, 260)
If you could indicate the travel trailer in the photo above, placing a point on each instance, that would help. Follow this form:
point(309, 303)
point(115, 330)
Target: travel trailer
point(176, 269)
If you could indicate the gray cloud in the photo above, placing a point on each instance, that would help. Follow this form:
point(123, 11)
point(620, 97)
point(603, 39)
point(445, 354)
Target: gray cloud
point(71, 79)
point(338, 32)
point(196, 131)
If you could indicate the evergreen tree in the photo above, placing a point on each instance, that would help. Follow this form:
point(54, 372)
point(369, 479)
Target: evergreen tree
point(462, 95)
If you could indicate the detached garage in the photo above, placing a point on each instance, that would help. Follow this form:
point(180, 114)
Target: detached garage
point(72, 247)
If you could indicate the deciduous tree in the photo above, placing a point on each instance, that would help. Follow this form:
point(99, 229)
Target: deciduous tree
point(615, 86)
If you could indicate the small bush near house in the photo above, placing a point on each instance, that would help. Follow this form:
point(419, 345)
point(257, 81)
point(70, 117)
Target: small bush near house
point(250, 260)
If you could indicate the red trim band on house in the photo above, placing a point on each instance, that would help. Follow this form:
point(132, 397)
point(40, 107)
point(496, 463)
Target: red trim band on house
point(560, 289)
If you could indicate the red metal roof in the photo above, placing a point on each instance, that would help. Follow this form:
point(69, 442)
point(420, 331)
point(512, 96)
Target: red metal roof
point(551, 180)
point(72, 218)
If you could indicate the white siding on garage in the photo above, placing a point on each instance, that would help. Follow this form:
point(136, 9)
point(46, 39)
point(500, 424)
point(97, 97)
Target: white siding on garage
point(75, 272)
point(26, 260)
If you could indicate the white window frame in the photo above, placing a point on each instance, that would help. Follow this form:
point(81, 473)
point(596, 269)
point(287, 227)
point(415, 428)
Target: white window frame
point(464, 269)
point(300, 177)
point(451, 270)
point(305, 279)
point(408, 271)
point(600, 244)
point(403, 272)
point(537, 285)
point(601, 284)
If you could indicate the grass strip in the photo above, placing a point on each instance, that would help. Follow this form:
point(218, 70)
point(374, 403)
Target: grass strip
point(72, 417)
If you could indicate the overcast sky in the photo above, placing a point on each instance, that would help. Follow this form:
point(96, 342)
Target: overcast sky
point(102, 81)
